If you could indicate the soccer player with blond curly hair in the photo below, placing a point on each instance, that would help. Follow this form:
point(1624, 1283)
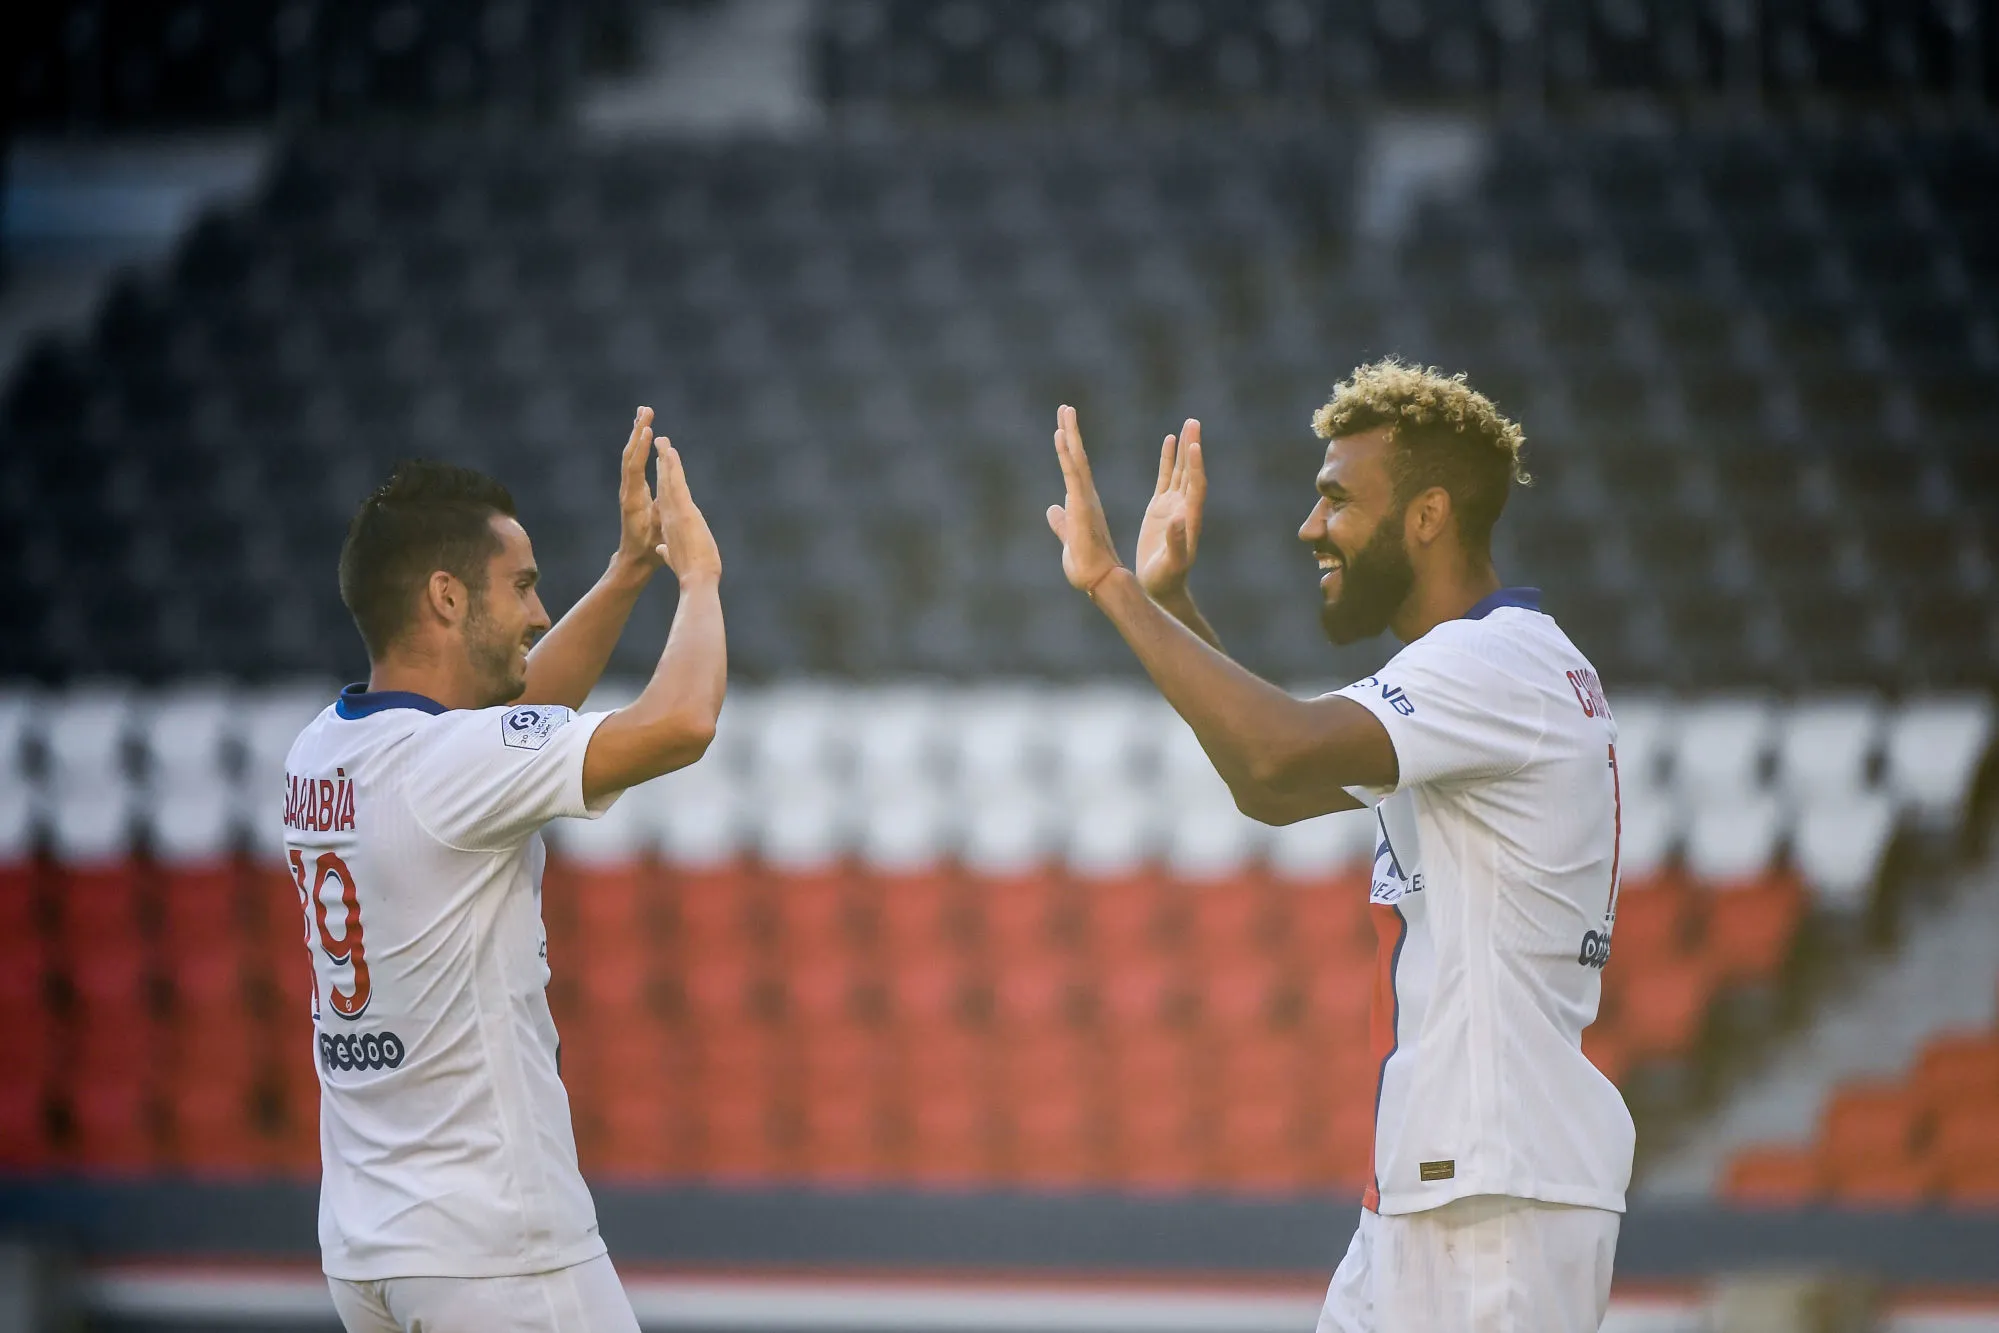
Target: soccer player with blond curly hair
point(1488, 754)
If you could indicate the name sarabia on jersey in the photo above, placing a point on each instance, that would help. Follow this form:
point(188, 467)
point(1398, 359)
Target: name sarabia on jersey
point(319, 805)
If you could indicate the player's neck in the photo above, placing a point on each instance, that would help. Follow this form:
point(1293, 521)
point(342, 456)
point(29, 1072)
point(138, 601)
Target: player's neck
point(1443, 594)
point(433, 676)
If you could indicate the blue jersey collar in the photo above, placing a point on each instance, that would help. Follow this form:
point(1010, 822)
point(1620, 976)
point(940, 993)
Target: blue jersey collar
point(1526, 598)
point(357, 701)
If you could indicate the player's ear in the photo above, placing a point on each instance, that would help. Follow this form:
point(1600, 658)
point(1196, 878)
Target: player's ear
point(1429, 516)
point(446, 597)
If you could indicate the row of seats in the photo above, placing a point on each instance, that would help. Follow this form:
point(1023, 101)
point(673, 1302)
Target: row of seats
point(1931, 1136)
point(1203, 50)
point(1754, 468)
point(1103, 779)
point(732, 1022)
point(119, 66)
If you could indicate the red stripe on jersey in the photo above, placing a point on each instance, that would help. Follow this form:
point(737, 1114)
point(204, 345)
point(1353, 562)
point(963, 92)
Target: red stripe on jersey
point(1390, 929)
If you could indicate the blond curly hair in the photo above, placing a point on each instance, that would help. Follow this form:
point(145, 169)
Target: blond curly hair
point(1445, 433)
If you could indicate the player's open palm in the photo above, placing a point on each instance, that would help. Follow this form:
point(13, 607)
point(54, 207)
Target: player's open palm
point(1088, 555)
point(1171, 533)
point(639, 534)
point(686, 544)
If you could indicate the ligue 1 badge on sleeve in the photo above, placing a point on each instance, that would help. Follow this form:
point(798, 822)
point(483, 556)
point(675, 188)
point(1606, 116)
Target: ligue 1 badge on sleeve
point(529, 726)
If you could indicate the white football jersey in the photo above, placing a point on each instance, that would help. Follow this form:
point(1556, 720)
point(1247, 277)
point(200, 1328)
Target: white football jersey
point(1494, 896)
point(412, 836)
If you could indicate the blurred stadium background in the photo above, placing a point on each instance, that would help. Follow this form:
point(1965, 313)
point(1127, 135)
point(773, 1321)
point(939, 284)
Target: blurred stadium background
point(951, 992)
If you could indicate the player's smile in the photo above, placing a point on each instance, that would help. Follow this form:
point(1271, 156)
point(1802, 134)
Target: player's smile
point(1333, 565)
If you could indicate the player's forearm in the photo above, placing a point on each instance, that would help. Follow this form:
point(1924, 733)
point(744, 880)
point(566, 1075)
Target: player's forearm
point(1250, 729)
point(1180, 605)
point(672, 722)
point(566, 665)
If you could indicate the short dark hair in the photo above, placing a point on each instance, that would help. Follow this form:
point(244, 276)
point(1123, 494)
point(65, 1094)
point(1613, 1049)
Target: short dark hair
point(429, 516)
point(1445, 432)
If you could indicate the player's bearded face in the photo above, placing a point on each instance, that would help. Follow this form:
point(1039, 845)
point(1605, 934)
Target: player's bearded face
point(498, 651)
point(1374, 581)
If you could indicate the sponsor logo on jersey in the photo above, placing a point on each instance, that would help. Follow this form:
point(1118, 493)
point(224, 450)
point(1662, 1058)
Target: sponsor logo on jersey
point(1390, 884)
point(529, 726)
point(1595, 951)
point(1444, 1170)
point(361, 1050)
point(1391, 694)
point(320, 805)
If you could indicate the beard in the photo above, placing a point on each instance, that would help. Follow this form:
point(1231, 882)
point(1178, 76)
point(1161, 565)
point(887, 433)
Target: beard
point(491, 652)
point(1373, 586)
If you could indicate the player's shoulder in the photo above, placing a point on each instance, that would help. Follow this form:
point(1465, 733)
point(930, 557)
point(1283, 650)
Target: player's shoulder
point(519, 728)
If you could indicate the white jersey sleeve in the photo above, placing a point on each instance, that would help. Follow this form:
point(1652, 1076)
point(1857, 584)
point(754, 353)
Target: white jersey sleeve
point(1452, 714)
point(494, 776)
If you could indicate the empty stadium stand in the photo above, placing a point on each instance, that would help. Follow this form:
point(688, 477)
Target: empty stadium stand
point(1750, 361)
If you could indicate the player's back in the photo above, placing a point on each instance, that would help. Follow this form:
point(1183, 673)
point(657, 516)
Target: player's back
point(411, 832)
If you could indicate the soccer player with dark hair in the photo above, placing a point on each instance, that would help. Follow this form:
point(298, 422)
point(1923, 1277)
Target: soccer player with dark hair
point(1489, 756)
point(450, 1199)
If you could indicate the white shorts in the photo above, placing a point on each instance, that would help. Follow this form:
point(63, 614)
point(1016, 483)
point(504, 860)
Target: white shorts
point(584, 1298)
point(1485, 1264)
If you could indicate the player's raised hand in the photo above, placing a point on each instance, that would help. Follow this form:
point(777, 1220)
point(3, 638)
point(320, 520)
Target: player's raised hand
point(686, 544)
point(1088, 555)
point(1171, 533)
point(638, 520)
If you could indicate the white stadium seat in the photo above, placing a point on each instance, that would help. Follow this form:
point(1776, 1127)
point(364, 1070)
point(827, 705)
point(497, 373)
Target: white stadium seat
point(92, 827)
point(1101, 737)
point(699, 818)
point(801, 738)
point(1826, 745)
point(17, 822)
point(84, 735)
point(1314, 850)
point(191, 823)
point(1213, 843)
point(186, 735)
point(20, 712)
point(894, 742)
point(1644, 726)
point(1008, 832)
point(1733, 836)
point(621, 834)
point(803, 829)
point(1934, 749)
point(1718, 746)
point(995, 739)
point(1839, 844)
point(912, 832)
point(1110, 831)
point(1649, 833)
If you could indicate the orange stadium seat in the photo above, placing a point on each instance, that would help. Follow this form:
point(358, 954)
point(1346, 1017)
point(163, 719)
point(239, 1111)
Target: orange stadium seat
point(943, 1106)
point(213, 1124)
point(1750, 925)
point(1140, 992)
point(1021, 915)
point(1773, 1177)
point(615, 985)
point(199, 906)
point(636, 1132)
point(1329, 924)
point(919, 914)
point(1152, 1139)
point(1232, 917)
point(1652, 917)
point(610, 901)
point(716, 991)
point(1052, 1132)
point(815, 913)
point(1662, 1009)
point(1034, 995)
point(1965, 1140)
point(1959, 1067)
point(1257, 1142)
point(1607, 1049)
point(709, 913)
point(927, 993)
point(1337, 1146)
point(839, 1135)
point(1339, 995)
point(1128, 914)
point(1259, 1068)
point(25, 1141)
point(112, 1121)
point(735, 1138)
point(1871, 1123)
point(1238, 992)
point(1881, 1184)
